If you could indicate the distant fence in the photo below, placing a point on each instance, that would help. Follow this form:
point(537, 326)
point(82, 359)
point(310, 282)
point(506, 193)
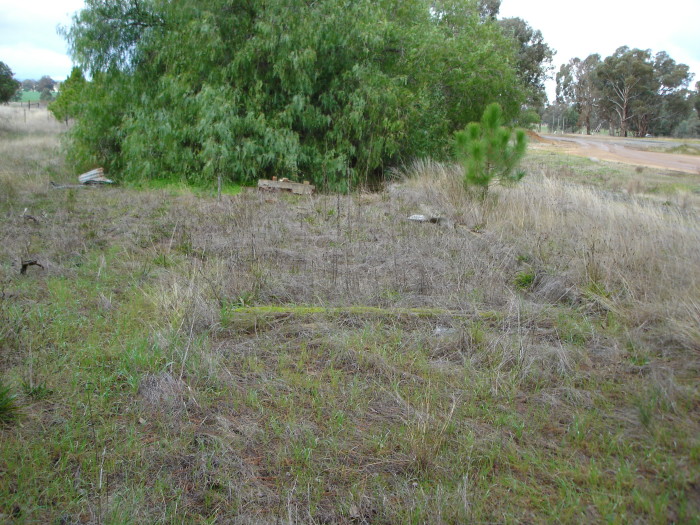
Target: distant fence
point(33, 104)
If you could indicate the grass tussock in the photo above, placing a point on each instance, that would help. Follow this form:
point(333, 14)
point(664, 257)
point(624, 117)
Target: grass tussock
point(261, 359)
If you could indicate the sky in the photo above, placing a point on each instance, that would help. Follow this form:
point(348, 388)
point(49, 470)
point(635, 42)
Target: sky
point(29, 43)
point(604, 25)
point(31, 47)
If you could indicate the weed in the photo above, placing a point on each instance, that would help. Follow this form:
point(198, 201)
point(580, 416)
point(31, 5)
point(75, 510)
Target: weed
point(525, 279)
point(36, 392)
point(9, 406)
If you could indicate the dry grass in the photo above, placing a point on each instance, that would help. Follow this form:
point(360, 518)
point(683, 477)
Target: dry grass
point(324, 360)
point(636, 254)
point(662, 186)
point(17, 120)
point(29, 149)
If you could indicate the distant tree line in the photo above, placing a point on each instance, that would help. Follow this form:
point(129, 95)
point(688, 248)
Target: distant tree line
point(631, 92)
point(11, 88)
point(8, 85)
point(45, 85)
point(333, 91)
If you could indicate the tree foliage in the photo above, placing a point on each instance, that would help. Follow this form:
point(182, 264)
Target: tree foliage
point(45, 83)
point(332, 91)
point(489, 9)
point(68, 102)
point(489, 151)
point(534, 57)
point(576, 85)
point(8, 84)
point(632, 89)
point(46, 95)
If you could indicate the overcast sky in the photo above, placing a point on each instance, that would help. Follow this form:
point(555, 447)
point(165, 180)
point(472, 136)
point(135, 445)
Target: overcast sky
point(604, 25)
point(30, 46)
point(29, 43)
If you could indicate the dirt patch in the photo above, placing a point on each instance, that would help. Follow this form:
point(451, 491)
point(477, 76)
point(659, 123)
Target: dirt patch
point(617, 150)
point(536, 137)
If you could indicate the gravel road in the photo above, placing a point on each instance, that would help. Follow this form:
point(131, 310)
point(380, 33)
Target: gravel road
point(629, 151)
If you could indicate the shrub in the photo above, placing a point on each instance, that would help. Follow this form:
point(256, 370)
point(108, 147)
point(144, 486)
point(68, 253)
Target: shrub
point(333, 92)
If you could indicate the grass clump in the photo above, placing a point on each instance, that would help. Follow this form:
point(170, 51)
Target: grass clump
point(525, 279)
point(9, 406)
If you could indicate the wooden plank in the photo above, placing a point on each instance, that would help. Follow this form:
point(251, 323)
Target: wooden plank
point(96, 176)
point(286, 185)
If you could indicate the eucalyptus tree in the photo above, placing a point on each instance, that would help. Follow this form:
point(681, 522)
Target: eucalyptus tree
point(675, 100)
point(45, 83)
point(642, 92)
point(627, 82)
point(489, 9)
point(576, 85)
point(534, 57)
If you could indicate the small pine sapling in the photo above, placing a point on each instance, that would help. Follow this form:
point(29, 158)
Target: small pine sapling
point(490, 152)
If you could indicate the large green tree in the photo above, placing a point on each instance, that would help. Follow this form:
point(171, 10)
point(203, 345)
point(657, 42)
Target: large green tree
point(45, 83)
point(576, 85)
point(489, 9)
point(641, 92)
point(8, 84)
point(674, 100)
point(331, 91)
point(626, 81)
point(534, 57)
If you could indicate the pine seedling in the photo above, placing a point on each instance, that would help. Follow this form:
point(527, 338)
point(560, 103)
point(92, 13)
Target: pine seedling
point(490, 152)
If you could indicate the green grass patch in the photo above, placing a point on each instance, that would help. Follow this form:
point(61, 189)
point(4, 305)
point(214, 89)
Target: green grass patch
point(611, 176)
point(525, 279)
point(31, 96)
point(184, 188)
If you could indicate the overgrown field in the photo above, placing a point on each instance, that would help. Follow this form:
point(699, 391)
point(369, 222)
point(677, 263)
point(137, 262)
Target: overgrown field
point(279, 359)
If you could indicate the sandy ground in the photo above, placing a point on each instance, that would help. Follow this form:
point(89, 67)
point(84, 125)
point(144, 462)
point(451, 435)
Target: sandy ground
point(629, 151)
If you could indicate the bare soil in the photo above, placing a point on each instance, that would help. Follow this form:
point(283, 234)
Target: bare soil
point(625, 150)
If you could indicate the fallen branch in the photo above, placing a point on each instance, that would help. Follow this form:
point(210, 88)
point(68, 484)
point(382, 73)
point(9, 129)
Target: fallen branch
point(26, 263)
point(66, 186)
point(28, 217)
point(367, 311)
point(286, 185)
